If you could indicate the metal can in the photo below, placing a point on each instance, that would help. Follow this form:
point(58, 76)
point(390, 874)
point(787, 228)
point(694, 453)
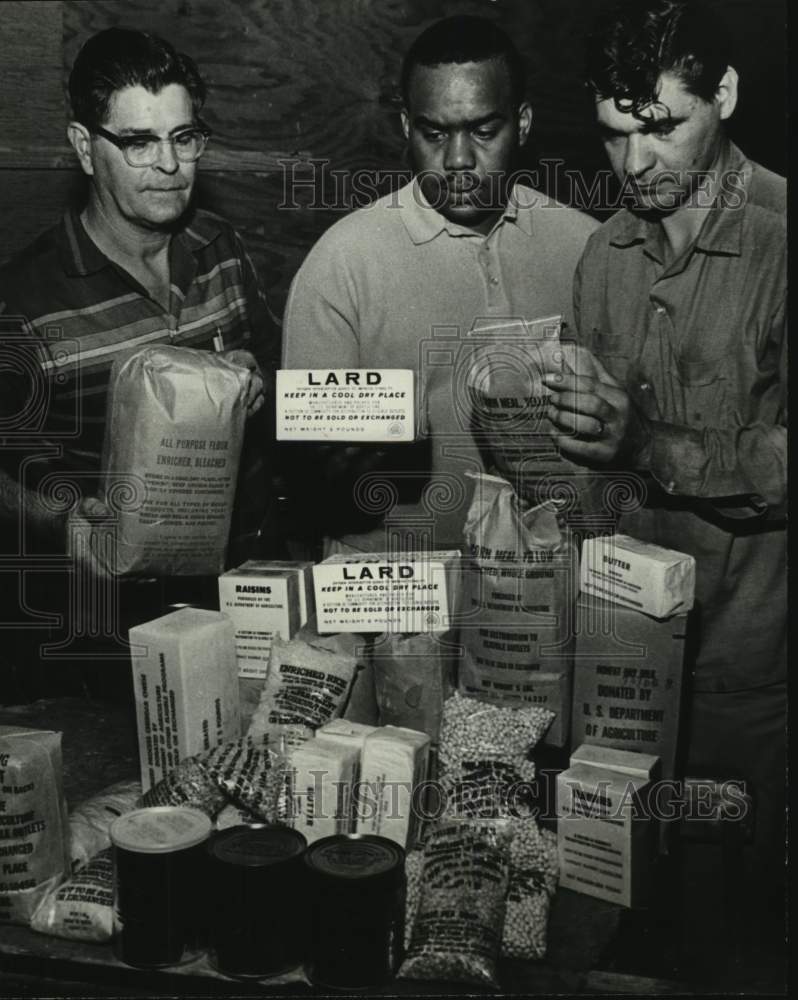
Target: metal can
point(160, 885)
point(356, 897)
point(258, 900)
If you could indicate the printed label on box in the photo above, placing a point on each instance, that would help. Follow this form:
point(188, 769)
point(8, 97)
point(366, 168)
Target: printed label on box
point(346, 405)
point(381, 593)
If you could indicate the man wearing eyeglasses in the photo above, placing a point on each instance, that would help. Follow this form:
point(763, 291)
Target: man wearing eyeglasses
point(137, 266)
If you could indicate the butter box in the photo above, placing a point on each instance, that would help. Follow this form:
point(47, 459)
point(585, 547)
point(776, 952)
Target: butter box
point(387, 592)
point(185, 680)
point(394, 765)
point(605, 837)
point(657, 581)
point(358, 405)
point(265, 598)
point(321, 775)
point(628, 676)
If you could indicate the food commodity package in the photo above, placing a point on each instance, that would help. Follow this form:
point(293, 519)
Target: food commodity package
point(484, 756)
point(185, 680)
point(173, 438)
point(251, 774)
point(90, 821)
point(81, 909)
point(34, 831)
point(520, 583)
point(457, 930)
point(321, 777)
point(262, 600)
point(188, 784)
point(394, 765)
point(413, 677)
point(306, 685)
point(509, 401)
point(387, 592)
point(628, 674)
point(532, 881)
point(605, 834)
point(647, 577)
point(359, 405)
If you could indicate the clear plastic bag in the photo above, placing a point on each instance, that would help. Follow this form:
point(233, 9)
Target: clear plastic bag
point(458, 926)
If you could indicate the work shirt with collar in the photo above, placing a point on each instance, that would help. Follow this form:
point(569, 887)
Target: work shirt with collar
point(82, 312)
point(397, 285)
point(700, 345)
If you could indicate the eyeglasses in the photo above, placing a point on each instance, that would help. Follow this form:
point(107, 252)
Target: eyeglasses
point(143, 150)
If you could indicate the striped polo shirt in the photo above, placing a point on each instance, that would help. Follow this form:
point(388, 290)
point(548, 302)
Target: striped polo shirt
point(82, 312)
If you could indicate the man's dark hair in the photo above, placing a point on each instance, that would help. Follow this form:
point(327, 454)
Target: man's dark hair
point(463, 39)
point(120, 57)
point(635, 41)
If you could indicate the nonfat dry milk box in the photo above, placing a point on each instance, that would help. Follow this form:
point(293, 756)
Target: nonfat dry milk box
point(185, 680)
point(649, 578)
point(264, 599)
point(357, 405)
point(387, 592)
point(605, 833)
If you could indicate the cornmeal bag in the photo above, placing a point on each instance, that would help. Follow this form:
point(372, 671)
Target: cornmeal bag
point(34, 833)
point(519, 590)
point(173, 438)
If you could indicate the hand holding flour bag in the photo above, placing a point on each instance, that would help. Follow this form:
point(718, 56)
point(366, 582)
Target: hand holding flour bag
point(173, 438)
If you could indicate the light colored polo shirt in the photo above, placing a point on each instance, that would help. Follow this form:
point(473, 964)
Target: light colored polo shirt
point(396, 285)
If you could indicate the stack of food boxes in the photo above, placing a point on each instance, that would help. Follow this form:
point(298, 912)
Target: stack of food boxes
point(631, 624)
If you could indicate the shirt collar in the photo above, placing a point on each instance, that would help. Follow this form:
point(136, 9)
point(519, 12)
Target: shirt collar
point(722, 229)
point(424, 223)
point(81, 256)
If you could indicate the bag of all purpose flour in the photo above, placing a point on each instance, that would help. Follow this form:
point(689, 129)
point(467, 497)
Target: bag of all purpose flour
point(173, 439)
point(34, 832)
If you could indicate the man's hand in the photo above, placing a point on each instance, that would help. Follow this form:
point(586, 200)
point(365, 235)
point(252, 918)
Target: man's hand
point(255, 389)
point(89, 542)
point(591, 408)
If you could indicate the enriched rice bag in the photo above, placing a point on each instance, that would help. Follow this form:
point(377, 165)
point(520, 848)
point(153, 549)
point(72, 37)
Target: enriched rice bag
point(173, 439)
point(34, 832)
point(306, 685)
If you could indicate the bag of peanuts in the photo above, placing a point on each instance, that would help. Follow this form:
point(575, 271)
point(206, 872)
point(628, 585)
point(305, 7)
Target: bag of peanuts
point(519, 585)
point(457, 928)
point(173, 439)
point(484, 757)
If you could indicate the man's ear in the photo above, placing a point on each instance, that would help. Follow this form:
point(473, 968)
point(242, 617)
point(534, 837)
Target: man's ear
point(80, 141)
point(726, 94)
point(524, 122)
point(405, 122)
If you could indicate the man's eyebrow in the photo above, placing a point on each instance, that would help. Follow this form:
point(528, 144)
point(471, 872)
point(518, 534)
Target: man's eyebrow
point(491, 116)
point(659, 124)
point(149, 131)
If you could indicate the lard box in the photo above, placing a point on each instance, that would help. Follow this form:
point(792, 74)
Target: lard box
point(358, 405)
point(385, 592)
point(605, 835)
point(321, 775)
point(657, 581)
point(264, 599)
point(185, 680)
point(394, 764)
point(628, 671)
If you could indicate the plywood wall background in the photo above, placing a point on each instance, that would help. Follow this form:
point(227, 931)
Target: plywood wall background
point(311, 85)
